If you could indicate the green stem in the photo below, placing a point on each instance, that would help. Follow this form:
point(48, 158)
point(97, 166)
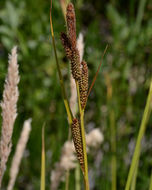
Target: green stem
point(43, 161)
point(142, 129)
point(86, 178)
point(133, 183)
point(77, 177)
point(150, 186)
point(140, 14)
point(113, 150)
point(68, 171)
point(67, 180)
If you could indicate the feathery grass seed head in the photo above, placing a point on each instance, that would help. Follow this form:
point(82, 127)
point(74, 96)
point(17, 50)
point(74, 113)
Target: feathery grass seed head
point(80, 46)
point(21, 145)
point(9, 110)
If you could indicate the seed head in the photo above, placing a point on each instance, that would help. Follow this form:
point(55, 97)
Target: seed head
point(83, 84)
point(75, 65)
point(71, 24)
point(77, 139)
point(67, 45)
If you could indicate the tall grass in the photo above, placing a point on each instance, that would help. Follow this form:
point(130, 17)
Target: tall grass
point(43, 160)
point(141, 133)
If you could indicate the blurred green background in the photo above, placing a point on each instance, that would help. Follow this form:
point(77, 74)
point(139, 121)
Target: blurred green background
point(127, 27)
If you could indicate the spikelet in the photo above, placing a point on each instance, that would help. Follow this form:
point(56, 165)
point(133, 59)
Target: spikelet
point(77, 139)
point(71, 24)
point(67, 45)
point(75, 65)
point(72, 55)
point(83, 84)
point(70, 44)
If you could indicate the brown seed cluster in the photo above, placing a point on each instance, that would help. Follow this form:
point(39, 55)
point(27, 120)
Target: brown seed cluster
point(69, 43)
point(77, 139)
point(71, 24)
point(83, 84)
point(79, 70)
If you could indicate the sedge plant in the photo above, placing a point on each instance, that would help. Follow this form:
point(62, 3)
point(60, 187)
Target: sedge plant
point(79, 72)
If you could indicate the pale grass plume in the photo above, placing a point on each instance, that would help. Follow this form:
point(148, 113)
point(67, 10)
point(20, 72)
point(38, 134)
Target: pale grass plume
point(67, 162)
point(80, 46)
point(94, 138)
point(21, 145)
point(73, 98)
point(68, 158)
point(9, 110)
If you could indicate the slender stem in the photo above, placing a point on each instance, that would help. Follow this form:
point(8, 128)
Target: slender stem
point(95, 77)
point(43, 161)
point(66, 103)
point(68, 171)
point(67, 180)
point(86, 178)
point(150, 185)
point(113, 150)
point(77, 177)
point(112, 132)
point(142, 129)
point(133, 183)
point(140, 14)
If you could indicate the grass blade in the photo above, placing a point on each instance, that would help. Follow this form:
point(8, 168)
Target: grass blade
point(142, 129)
point(150, 186)
point(77, 178)
point(133, 183)
point(43, 161)
point(112, 123)
point(95, 77)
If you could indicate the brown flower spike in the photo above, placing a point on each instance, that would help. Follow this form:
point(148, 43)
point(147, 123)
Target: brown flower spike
point(71, 24)
point(72, 55)
point(83, 84)
point(69, 43)
point(77, 139)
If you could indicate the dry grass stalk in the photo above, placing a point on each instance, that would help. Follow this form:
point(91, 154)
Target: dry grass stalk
point(19, 153)
point(9, 110)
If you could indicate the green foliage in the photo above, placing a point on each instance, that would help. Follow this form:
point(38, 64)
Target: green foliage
point(128, 63)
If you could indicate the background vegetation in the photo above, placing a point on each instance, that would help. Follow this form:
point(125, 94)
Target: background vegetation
point(127, 27)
